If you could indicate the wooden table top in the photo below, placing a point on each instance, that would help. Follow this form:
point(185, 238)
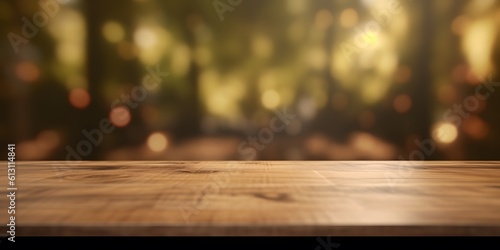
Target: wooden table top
point(339, 198)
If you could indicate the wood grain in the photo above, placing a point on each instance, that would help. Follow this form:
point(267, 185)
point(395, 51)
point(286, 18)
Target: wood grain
point(340, 198)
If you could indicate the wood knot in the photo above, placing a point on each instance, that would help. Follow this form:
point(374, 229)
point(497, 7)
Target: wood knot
point(280, 197)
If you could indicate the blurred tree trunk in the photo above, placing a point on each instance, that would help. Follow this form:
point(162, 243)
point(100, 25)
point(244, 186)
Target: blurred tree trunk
point(189, 107)
point(421, 87)
point(101, 62)
point(94, 13)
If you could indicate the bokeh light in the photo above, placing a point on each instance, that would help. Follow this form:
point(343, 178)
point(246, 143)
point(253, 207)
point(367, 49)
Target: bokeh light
point(27, 71)
point(70, 53)
point(145, 37)
point(475, 127)
point(479, 57)
point(444, 133)
point(262, 46)
point(348, 18)
point(153, 41)
point(323, 19)
point(402, 103)
point(79, 98)
point(69, 32)
point(270, 99)
point(120, 116)
point(307, 108)
point(113, 32)
point(157, 142)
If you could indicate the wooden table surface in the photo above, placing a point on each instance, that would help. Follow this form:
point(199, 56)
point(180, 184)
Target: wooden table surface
point(340, 198)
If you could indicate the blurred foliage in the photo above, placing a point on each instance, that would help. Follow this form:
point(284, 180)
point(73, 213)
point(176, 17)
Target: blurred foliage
point(366, 78)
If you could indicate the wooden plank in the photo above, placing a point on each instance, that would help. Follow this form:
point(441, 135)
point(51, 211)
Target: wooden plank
point(256, 198)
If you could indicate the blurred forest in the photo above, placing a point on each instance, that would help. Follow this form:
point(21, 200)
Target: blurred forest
point(366, 79)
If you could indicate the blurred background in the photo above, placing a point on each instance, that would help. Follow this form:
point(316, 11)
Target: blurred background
point(364, 80)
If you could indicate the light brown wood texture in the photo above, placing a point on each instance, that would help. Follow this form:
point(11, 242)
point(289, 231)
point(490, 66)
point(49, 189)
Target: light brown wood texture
point(341, 198)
